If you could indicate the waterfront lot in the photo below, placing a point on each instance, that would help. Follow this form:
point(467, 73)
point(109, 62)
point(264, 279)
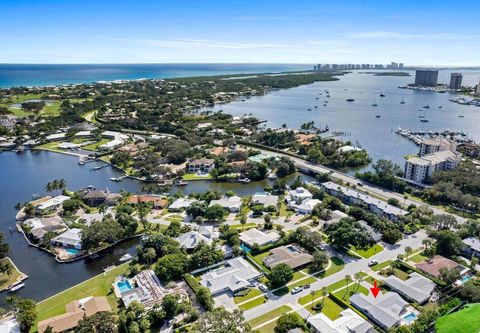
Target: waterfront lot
point(5, 279)
point(100, 285)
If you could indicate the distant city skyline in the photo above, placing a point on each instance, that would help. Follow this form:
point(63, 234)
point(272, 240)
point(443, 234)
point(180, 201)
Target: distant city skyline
point(410, 32)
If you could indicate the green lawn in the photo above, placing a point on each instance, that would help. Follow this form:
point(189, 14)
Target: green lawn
point(466, 320)
point(94, 146)
point(336, 266)
point(100, 285)
point(417, 258)
point(308, 280)
point(52, 109)
point(6, 280)
point(330, 309)
point(259, 258)
point(50, 146)
point(353, 289)
point(253, 292)
point(380, 266)
point(283, 209)
point(243, 226)
point(337, 285)
point(269, 328)
point(253, 303)
point(269, 315)
point(194, 176)
point(377, 248)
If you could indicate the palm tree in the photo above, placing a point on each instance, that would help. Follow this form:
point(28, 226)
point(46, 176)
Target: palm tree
point(324, 292)
point(62, 184)
point(7, 269)
point(358, 279)
point(426, 243)
point(348, 279)
point(408, 251)
point(49, 187)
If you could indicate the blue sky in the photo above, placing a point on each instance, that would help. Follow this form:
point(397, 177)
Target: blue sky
point(194, 31)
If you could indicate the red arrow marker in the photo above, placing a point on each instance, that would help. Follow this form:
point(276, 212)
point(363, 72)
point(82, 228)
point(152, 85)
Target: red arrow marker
point(375, 290)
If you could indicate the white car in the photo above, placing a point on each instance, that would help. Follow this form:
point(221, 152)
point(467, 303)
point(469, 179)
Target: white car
point(296, 290)
point(262, 287)
point(372, 263)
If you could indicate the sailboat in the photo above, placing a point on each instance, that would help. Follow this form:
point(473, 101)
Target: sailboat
point(402, 102)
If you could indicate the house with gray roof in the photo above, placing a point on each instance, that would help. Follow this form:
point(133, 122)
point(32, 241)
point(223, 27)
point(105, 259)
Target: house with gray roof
point(376, 236)
point(236, 275)
point(385, 310)
point(231, 204)
point(255, 236)
point(192, 239)
point(416, 288)
point(348, 322)
point(472, 246)
point(264, 199)
point(293, 255)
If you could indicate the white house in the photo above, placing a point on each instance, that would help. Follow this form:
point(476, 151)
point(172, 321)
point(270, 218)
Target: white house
point(299, 194)
point(348, 322)
point(232, 204)
point(255, 236)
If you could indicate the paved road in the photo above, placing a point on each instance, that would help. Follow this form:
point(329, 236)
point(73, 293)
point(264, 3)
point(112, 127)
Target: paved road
point(352, 266)
point(302, 164)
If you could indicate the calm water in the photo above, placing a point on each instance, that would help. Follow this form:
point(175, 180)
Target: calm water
point(357, 119)
point(26, 174)
point(12, 75)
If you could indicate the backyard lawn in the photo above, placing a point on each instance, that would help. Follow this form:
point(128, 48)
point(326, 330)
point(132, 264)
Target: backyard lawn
point(330, 308)
point(253, 303)
point(337, 265)
point(51, 146)
point(417, 258)
point(100, 285)
point(269, 316)
point(466, 320)
point(354, 289)
point(194, 176)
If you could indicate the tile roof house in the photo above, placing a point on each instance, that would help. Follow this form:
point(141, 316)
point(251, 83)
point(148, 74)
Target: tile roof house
point(232, 204)
point(157, 201)
point(39, 227)
point(255, 236)
point(293, 255)
point(236, 275)
point(96, 198)
point(201, 165)
point(348, 322)
point(76, 311)
point(385, 310)
point(416, 288)
point(432, 267)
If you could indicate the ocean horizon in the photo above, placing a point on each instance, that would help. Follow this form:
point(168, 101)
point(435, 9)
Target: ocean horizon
point(31, 75)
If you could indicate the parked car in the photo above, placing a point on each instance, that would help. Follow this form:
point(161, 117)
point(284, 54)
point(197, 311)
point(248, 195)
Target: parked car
point(262, 287)
point(307, 286)
point(372, 263)
point(171, 322)
point(296, 290)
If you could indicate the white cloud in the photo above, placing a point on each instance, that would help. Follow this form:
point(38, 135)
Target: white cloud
point(399, 35)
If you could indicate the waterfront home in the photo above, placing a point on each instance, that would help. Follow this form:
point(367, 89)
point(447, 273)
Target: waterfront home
point(76, 311)
point(51, 205)
point(192, 239)
point(416, 288)
point(306, 206)
point(157, 201)
point(347, 149)
point(39, 227)
point(259, 158)
point(254, 236)
point(70, 239)
point(348, 322)
point(68, 146)
point(298, 195)
point(433, 266)
point(235, 275)
point(232, 204)
point(181, 204)
point(145, 288)
point(305, 139)
point(351, 196)
point(56, 137)
point(293, 255)
point(386, 310)
point(472, 246)
point(96, 198)
point(204, 165)
point(264, 199)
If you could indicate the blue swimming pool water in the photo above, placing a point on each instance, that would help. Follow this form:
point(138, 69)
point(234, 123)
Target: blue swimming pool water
point(124, 286)
point(466, 278)
point(72, 251)
point(245, 248)
point(410, 317)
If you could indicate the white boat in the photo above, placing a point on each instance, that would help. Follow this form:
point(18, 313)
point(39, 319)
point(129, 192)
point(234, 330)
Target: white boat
point(272, 176)
point(115, 179)
point(126, 257)
point(244, 180)
point(16, 287)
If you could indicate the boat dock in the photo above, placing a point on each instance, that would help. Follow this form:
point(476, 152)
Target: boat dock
point(418, 136)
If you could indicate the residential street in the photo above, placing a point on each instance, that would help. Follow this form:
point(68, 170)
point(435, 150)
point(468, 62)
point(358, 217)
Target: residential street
point(352, 266)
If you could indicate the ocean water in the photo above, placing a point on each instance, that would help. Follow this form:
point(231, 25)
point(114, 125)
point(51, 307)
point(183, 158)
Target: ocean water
point(358, 119)
point(14, 75)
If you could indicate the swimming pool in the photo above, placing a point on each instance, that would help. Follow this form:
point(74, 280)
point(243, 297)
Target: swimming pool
point(73, 252)
point(245, 249)
point(124, 286)
point(410, 317)
point(466, 278)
